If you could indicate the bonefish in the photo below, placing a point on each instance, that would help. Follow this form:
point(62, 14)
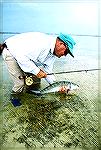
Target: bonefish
point(56, 87)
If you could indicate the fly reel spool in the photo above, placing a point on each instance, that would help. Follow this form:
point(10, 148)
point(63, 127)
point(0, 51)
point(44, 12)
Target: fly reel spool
point(28, 80)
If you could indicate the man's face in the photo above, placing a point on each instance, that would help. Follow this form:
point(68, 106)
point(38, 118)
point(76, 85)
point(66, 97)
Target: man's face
point(60, 49)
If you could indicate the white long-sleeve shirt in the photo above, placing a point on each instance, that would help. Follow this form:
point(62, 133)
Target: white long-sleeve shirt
point(33, 50)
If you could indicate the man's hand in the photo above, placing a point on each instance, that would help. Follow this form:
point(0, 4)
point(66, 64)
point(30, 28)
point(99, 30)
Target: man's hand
point(63, 89)
point(41, 74)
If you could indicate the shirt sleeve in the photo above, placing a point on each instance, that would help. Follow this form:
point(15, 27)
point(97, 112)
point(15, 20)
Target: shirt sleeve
point(50, 79)
point(27, 65)
point(48, 68)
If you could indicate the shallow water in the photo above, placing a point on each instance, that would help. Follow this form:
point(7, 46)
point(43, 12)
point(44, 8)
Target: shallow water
point(52, 120)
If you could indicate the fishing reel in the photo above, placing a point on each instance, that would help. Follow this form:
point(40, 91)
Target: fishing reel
point(28, 80)
point(33, 82)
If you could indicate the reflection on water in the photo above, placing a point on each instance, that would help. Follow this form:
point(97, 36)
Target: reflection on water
point(52, 120)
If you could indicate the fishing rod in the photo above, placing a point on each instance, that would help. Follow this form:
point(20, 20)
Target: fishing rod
point(73, 71)
point(29, 78)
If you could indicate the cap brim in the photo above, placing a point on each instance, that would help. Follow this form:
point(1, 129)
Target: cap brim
point(71, 53)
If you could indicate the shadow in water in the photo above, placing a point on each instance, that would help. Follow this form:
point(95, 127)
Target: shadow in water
point(53, 120)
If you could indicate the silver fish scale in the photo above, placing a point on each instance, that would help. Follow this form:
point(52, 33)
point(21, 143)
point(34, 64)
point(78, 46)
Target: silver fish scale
point(57, 84)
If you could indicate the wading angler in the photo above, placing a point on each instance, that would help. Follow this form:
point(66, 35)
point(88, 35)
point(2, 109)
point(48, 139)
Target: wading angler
point(34, 53)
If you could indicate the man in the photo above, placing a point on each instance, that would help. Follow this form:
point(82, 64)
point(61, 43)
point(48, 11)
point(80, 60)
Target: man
point(34, 53)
